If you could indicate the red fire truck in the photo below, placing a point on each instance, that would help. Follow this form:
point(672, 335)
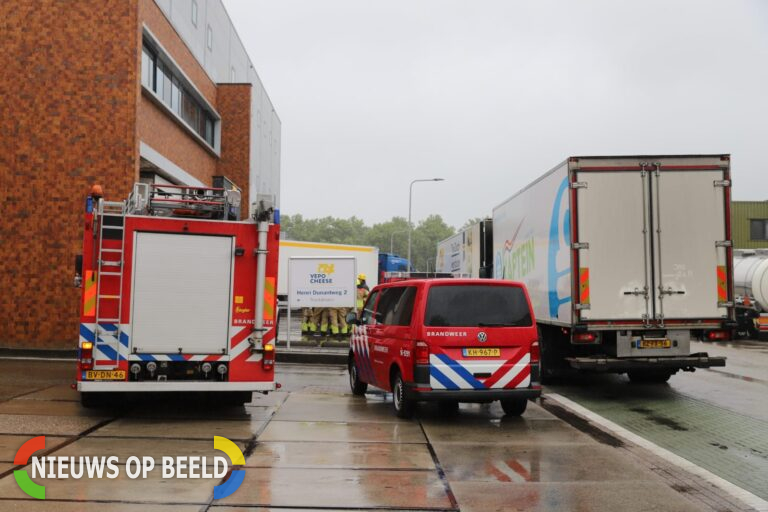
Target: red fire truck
point(177, 294)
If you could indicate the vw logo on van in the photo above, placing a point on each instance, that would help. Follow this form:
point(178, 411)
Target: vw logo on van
point(482, 337)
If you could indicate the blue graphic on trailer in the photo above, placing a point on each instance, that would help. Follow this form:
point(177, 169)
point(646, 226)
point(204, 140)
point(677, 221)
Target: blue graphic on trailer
point(553, 275)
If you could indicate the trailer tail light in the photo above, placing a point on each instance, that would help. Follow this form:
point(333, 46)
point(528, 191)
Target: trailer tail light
point(584, 337)
point(86, 355)
point(718, 335)
point(535, 352)
point(268, 360)
point(422, 353)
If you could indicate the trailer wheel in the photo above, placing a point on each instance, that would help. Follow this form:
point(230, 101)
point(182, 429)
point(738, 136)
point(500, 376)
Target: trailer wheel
point(404, 406)
point(514, 406)
point(649, 376)
point(358, 387)
point(551, 362)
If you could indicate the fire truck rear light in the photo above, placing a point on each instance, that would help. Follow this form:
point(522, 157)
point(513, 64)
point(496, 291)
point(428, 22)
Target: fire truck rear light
point(422, 353)
point(718, 335)
point(584, 337)
point(135, 368)
point(535, 352)
point(86, 355)
point(222, 369)
point(151, 366)
point(269, 357)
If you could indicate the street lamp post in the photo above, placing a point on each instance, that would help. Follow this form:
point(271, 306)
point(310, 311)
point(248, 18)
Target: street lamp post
point(410, 202)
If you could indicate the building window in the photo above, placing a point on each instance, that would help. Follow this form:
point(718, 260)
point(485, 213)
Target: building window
point(158, 77)
point(148, 68)
point(194, 12)
point(210, 38)
point(758, 229)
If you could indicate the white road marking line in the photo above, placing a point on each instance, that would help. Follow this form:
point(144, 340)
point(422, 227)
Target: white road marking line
point(747, 497)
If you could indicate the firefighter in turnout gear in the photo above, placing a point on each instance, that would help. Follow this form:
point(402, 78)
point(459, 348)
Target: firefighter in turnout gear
point(362, 293)
point(307, 327)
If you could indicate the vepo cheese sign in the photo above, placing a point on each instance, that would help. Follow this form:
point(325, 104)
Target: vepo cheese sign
point(321, 282)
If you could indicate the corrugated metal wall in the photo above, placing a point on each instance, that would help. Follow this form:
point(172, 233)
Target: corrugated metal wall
point(741, 213)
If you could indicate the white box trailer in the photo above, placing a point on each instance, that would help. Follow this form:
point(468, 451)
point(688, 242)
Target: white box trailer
point(468, 253)
point(367, 258)
point(626, 259)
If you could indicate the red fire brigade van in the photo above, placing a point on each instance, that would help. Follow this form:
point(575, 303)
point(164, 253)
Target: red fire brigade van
point(178, 294)
point(447, 340)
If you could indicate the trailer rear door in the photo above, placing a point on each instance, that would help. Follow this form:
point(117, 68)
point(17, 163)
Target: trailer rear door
point(613, 271)
point(181, 293)
point(690, 270)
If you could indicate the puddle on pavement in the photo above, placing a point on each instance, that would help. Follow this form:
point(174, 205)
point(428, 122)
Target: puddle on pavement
point(318, 431)
point(282, 487)
point(540, 463)
point(332, 455)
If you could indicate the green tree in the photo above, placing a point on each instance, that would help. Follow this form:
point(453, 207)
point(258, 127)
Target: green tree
point(471, 222)
point(425, 238)
point(392, 234)
point(353, 231)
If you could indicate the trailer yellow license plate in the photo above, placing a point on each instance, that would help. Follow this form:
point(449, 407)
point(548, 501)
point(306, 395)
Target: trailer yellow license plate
point(105, 375)
point(481, 352)
point(655, 343)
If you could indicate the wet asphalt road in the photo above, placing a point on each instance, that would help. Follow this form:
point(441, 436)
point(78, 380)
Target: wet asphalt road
point(313, 445)
point(716, 418)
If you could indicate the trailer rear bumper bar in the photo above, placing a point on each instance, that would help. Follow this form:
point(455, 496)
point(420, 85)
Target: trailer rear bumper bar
point(160, 386)
point(616, 365)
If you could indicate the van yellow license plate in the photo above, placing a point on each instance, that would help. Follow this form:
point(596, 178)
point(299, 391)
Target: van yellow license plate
point(105, 375)
point(655, 344)
point(481, 352)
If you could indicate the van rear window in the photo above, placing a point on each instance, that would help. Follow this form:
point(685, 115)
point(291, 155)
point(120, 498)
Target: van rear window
point(477, 306)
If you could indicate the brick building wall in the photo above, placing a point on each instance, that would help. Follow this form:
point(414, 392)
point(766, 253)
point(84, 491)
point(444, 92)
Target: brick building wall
point(234, 105)
point(74, 114)
point(153, 125)
point(69, 101)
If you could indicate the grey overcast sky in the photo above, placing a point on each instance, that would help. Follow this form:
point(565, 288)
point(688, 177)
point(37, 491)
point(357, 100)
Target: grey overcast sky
point(489, 94)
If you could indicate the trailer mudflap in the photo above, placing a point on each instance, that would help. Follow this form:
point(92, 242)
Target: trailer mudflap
point(616, 365)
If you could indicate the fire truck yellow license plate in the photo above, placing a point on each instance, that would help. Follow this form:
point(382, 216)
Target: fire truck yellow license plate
point(655, 343)
point(105, 375)
point(481, 352)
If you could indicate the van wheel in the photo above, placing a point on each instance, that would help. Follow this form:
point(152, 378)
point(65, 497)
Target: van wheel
point(358, 387)
point(514, 406)
point(649, 376)
point(404, 406)
point(448, 407)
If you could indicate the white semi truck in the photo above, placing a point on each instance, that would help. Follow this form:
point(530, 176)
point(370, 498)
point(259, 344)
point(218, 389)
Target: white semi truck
point(626, 259)
point(468, 253)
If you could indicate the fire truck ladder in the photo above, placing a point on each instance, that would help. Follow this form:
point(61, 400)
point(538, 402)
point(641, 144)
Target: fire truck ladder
point(107, 331)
